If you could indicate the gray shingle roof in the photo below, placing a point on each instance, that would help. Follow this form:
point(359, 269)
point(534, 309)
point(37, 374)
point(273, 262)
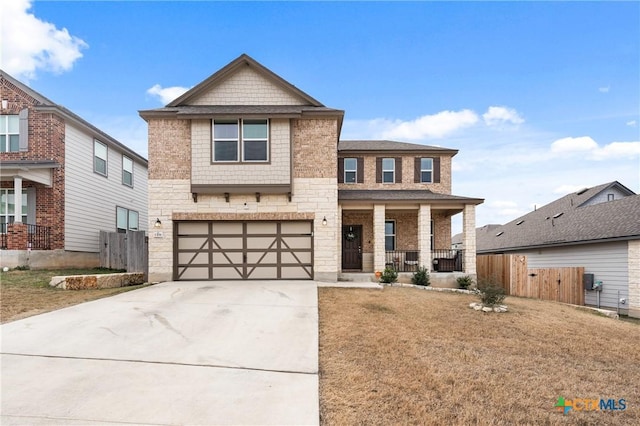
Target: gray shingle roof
point(402, 195)
point(261, 110)
point(566, 221)
point(386, 145)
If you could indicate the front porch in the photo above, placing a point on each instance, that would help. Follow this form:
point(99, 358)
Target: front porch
point(24, 236)
point(405, 237)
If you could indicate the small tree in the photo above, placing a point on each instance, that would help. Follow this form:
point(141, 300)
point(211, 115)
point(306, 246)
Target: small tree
point(389, 275)
point(421, 277)
point(491, 294)
point(465, 282)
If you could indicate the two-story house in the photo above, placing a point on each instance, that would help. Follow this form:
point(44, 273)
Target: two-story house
point(248, 180)
point(62, 182)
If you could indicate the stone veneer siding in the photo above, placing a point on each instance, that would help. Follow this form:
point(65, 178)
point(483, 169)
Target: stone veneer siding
point(634, 278)
point(46, 142)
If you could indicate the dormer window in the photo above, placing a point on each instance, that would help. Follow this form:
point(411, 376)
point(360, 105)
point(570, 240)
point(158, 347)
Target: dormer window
point(240, 139)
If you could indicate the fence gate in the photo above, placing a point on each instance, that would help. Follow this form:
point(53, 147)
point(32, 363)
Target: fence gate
point(129, 251)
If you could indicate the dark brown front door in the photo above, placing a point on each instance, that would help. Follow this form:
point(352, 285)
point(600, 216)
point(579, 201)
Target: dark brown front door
point(352, 247)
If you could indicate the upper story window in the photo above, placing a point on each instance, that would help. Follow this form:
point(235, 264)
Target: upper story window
point(126, 220)
point(426, 170)
point(127, 171)
point(240, 139)
point(9, 133)
point(100, 152)
point(350, 170)
point(388, 170)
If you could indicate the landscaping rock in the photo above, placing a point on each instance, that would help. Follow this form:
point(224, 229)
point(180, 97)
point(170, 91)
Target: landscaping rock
point(86, 282)
point(487, 309)
point(477, 307)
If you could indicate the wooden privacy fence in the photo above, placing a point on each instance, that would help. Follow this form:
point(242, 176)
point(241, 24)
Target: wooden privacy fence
point(511, 271)
point(128, 251)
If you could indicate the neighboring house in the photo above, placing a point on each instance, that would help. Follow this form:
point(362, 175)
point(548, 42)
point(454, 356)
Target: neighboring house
point(74, 181)
point(248, 180)
point(597, 228)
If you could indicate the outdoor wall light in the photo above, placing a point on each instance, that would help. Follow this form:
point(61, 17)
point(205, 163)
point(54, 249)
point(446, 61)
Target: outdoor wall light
point(158, 224)
point(324, 221)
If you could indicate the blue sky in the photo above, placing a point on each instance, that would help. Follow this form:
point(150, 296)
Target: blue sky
point(541, 98)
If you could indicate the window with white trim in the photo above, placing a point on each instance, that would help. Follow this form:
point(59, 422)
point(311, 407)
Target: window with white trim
point(100, 154)
point(9, 133)
point(388, 170)
point(126, 220)
point(389, 235)
point(127, 171)
point(8, 207)
point(245, 139)
point(350, 170)
point(426, 170)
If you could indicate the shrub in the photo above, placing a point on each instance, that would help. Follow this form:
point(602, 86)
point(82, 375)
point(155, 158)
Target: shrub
point(491, 294)
point(389, 276)
point(465, 282)
point(22, 268)
point(421, 277)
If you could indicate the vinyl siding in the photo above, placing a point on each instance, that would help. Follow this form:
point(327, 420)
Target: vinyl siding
point(91, 199)
point(608, 262)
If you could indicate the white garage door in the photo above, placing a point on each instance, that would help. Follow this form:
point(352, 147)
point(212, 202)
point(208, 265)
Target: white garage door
point(222, 250)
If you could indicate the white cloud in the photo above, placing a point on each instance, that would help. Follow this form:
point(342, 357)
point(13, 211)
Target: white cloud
point(574, 145)
point(29, 44)
point(586, 146)
point(497, 115)
point(431, 126)
point(568, 189)
point(167, 94)
point(632, 123)
point(604, 89)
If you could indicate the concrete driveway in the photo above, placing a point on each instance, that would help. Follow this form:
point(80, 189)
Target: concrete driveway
point(174, 353)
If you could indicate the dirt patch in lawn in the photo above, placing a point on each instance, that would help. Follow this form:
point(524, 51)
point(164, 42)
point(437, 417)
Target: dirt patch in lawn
point(407, 356)
point(27, 293)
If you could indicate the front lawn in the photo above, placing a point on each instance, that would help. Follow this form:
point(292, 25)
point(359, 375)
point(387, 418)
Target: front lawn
point(408, 356)
point(26, 293)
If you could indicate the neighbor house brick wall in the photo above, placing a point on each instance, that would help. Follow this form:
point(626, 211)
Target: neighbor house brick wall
point(634, 278)
point(369, 181)
point(46, 142)
point(247, 87)
point(169, 149)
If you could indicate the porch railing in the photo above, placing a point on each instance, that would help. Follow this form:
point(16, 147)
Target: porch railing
point(38, 237)
point(402, 260)
point(446, 260)
point(3, 236)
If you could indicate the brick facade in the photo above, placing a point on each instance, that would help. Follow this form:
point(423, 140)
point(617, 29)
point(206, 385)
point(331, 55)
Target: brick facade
point(169, 149)
point(312, 159)
point(46, 142)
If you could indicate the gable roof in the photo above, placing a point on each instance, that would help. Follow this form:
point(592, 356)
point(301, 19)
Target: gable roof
point(567, 221)
point(46, 105)
point(387, 145)
point(243, 60)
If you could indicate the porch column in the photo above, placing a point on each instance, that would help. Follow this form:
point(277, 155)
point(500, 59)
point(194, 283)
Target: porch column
point(378, 237)
point(424, 235)
point(339, 239)
point(469, 238)
point(17, 198)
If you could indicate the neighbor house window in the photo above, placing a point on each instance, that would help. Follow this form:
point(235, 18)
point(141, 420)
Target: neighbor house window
point(610, 197)
point(389, 235)
point(126, 220)
point(8, 207)
point(127, 171)
point(388, 170)
point(350, 170)
point(99, 157)
point(235, 139)
point(426, 170)
point(9, 133)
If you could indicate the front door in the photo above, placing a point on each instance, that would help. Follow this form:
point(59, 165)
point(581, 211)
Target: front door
point(352, 247)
